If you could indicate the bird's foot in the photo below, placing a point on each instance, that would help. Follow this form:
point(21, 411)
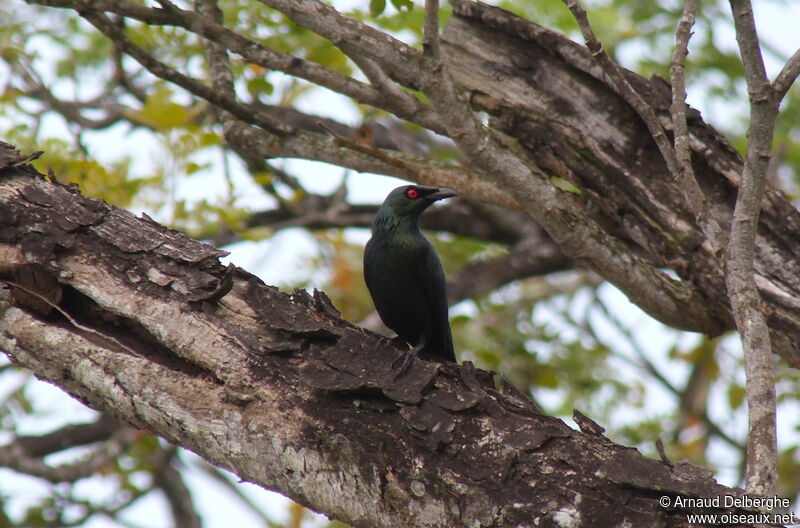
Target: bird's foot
point(402, 363)
point(407, 359)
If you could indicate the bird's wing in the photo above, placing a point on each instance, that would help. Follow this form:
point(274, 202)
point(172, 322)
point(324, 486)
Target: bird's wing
point(433, 282)
point(367, 265)
point(434, 285)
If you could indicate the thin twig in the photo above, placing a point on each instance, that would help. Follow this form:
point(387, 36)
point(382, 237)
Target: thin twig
point(13, 456)
point(662, 453)
point(159, 69)
point(683, 152)
point(787, 76)
point(430, 41)
point(762, 452)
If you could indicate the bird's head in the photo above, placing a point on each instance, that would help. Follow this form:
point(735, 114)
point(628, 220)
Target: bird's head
point(411, 200)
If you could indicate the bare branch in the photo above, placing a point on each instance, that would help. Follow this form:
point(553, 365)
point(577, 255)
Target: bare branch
point(288, 392)
point(405, 107)
point(692, 192)
point(748, 311)
point(68, 436)
point(121, 76)
point(354, 37)
point(363, 158)
point(159, 69)
point(14, 456)
point(622, 85)
point(529, 258)
point(787, 76)
point(216, 55)
point(430, 43)
point(169, 480)
point(72, 111)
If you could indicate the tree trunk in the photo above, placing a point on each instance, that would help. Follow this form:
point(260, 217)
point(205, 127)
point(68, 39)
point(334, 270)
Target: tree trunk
point(145, 323)
point(549, 94)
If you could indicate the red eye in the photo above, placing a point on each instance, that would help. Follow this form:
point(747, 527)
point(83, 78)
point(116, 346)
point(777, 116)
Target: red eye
point(412, 193)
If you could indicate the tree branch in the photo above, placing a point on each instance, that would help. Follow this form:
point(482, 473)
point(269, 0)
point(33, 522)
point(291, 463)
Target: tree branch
point(787, 76)
point(68, 437)
point(167, 478)
point(402, 62)
point(565, 222)
point(300, 399)
point(576, 126)
point(762, 449)
point(223, 100)
point(430, 42)
point(528, 258)
point(14, 456)
point(256, 53)
point(679, 168)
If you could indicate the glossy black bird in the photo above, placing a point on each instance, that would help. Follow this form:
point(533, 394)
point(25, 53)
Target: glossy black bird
point(404, 275)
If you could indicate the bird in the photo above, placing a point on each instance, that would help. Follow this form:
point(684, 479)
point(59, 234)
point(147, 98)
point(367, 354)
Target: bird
point(404, 275)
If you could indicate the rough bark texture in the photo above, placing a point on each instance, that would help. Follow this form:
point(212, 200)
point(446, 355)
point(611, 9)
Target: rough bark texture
point(549, 94)
point(762, 445)
point(143, 322)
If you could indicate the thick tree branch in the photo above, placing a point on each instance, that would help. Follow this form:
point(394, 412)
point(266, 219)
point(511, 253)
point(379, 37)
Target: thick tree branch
point(362, 158)
point(300, 401)
point(578, 127)
point(627, 196)
point(560, 216)
point(679, 167)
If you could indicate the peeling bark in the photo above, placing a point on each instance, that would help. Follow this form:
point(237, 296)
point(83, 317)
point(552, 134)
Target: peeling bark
point(549, 94)
point(146, 324)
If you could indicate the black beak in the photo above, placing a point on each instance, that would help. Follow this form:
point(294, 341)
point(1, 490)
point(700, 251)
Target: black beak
point(441, 194)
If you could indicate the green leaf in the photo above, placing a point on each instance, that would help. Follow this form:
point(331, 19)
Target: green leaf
point(565, 185)
point(208, 139)
point(259, 85)
point(403, 5)
point(736, 394)
point(160, 111)
point(546, 376)
point(193, 167)
point(377, 7)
